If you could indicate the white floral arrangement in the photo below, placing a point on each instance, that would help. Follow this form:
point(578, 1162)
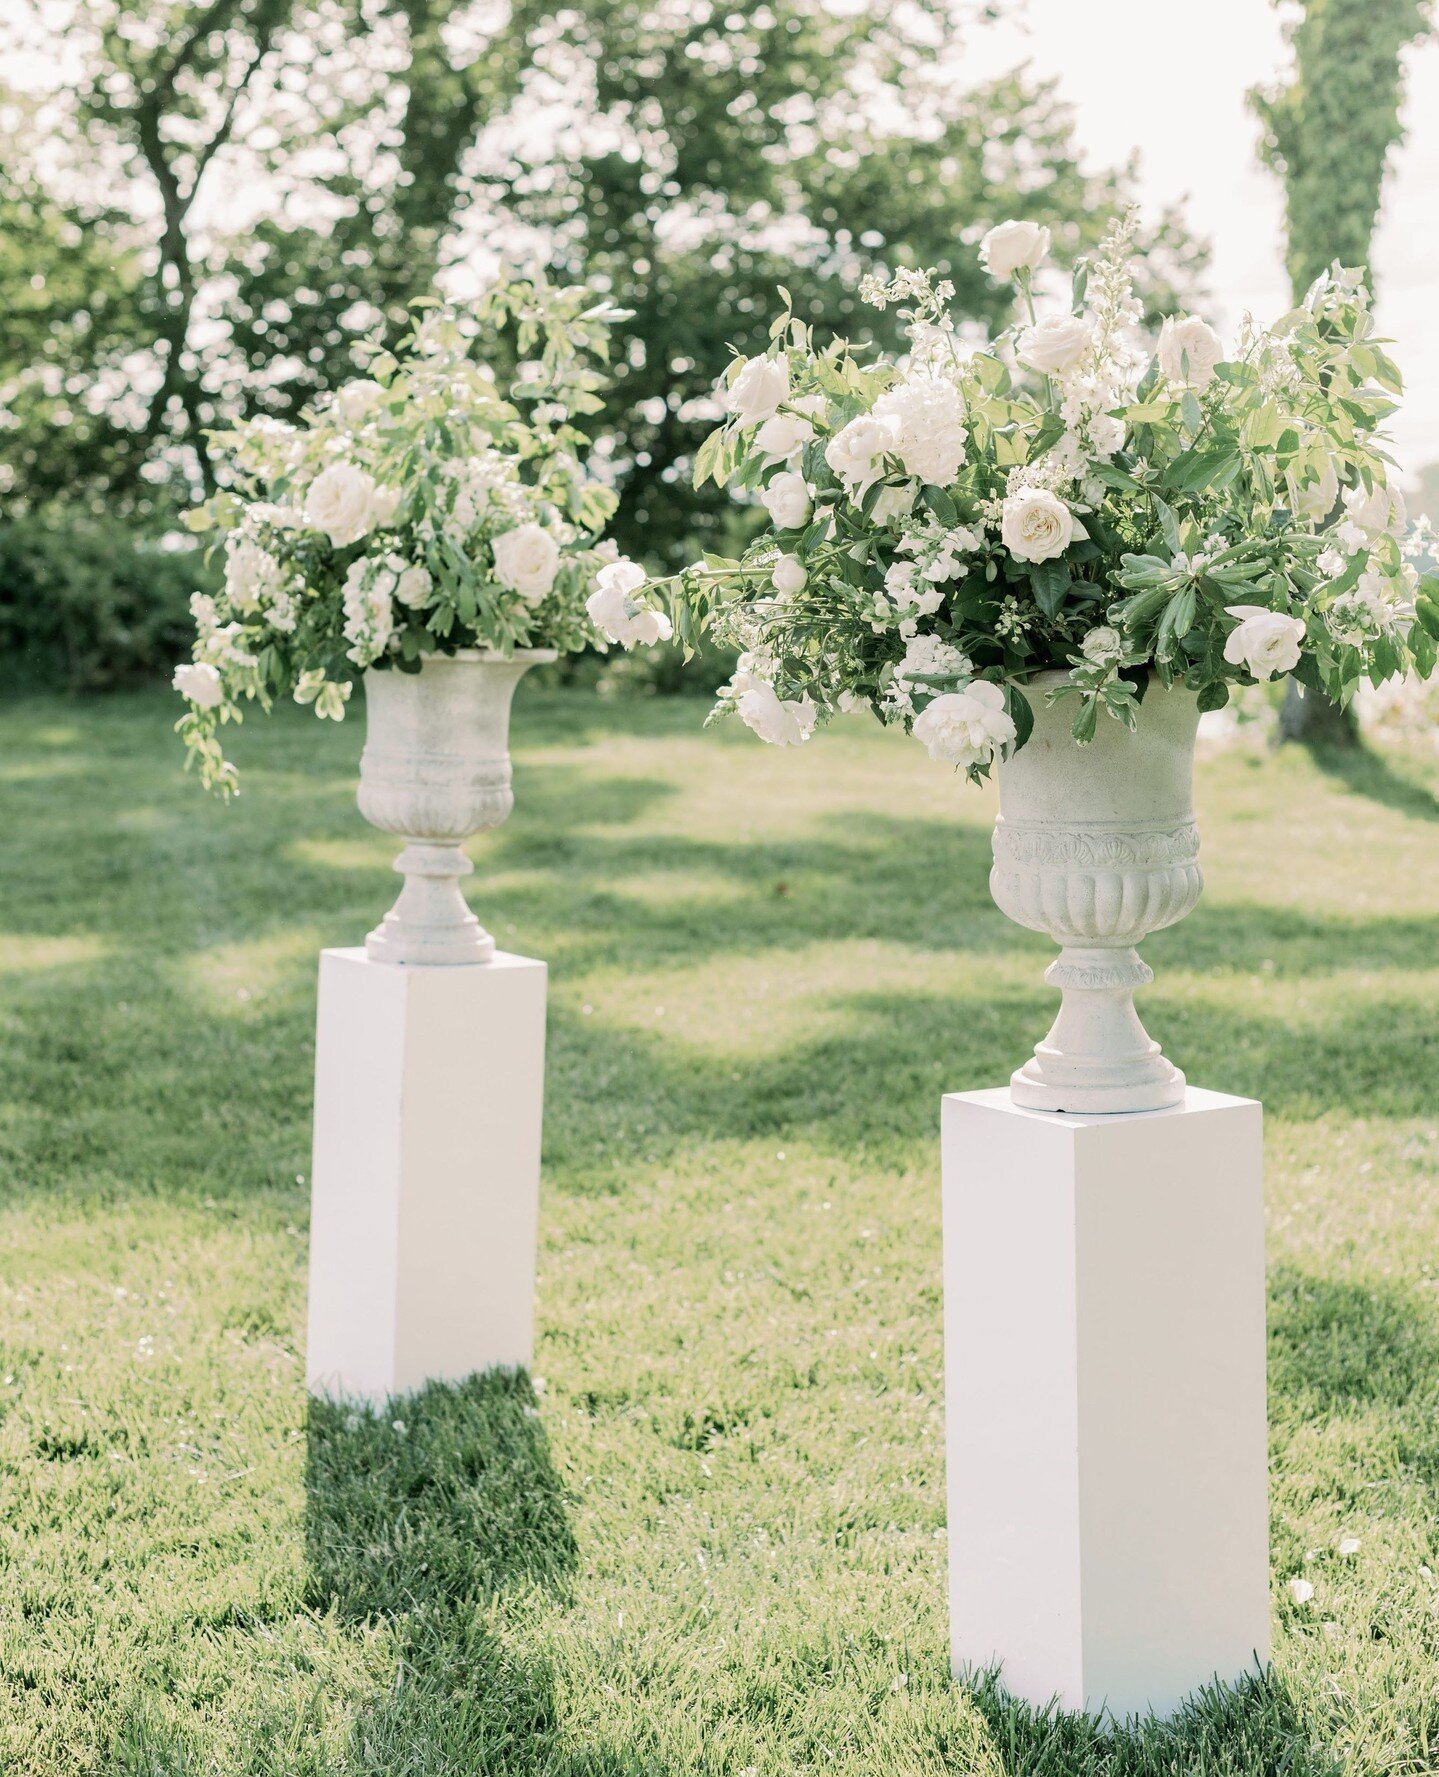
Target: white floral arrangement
point(1069, 497)
point(420, 509)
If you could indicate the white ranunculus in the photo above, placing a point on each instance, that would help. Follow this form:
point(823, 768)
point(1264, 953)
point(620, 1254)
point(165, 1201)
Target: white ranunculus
point(788, 575)
point(1266, 642)
point(757, 389)
point(526, 560)
point(1189, 349)
point(781, 438)
point(1102, 645)
point(1313, 499)
point(341, 503)
point(966, 727)
point(1377, 509)
point(1037, 525)
point(856, 452)
point(894, 502)
point(1054, 344)
point(199, 683)
point(782, 724)
point(618, 614)
point(356, 399)
point(414, 586)
point(927, 416)
point(1012, 247)
point(787, 500)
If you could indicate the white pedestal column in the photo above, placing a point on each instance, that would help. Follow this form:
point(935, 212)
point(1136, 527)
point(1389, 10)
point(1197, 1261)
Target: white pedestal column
point(428, 1095)
point(1104, 1355)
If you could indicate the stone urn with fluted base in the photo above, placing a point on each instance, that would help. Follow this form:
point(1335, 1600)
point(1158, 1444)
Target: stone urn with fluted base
point(1096, 846)
point(435, 769)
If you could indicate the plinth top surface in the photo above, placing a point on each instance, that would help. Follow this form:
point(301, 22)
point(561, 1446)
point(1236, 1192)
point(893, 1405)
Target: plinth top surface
point(1196, 1100)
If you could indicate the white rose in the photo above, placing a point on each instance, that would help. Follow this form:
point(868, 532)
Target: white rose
point(1102, 645)
point(1265, 641)
point(781, 724)
point(526, 560)
point(1037, 525)
point(787, 500)
point(341, 503)
point(757, 389)
point(1012, 247)
point(615, 611)
point(855, 452)
point(356, 399)
point(1377, 509)
point(927, 417)
point(1314, 499)
point(788, 575)
point(414, 586)
point(782, 437)
point(966, 727)
point(894, 502)
point(1054, 344)
point(1186, 340)
point(200, 684)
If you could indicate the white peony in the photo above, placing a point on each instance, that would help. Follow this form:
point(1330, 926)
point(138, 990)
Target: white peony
point(856, 452)
point(1266, 642)
point(413, 587)
point(1314, 499)
point(1054, 344)
point(757, 389)
point(341, 503)
point(1375, 510)
point(781, 438)
point(199, 683)
point(527, 560)
point(781, 724)
point(1037, 525)
point(966, 727)
point(618, 614)
point(788, 575)
point(1012, 247)
point(356, 399)
point(894, 502)
point(1189, 349)
point(787, 500)
point(927, 417)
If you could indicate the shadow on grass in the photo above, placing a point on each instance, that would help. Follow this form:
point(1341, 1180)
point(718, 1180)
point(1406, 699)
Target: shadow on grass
point(1371, 775)
point(1250, 1729)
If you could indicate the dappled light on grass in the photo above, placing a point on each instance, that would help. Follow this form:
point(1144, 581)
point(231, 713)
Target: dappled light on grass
point(712, 1538)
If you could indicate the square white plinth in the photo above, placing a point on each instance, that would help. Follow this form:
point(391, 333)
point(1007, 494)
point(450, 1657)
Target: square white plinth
point(429, 1090)
point(1104, 1356)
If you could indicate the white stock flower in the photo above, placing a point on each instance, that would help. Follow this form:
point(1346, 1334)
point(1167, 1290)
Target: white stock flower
point(1313, 499)
point(199, 683)
point(526, 560)
point(1012, 247)
point(1054, 344)
point(757, 389)
point(1037, 525)
point(341, 503)
point(356, 399)
point(369, 612)
point(927, 417)
point(788, 575)
point(856, 451)
point(900, 584)
point(282, 613)
point(1189, 349)
point(787, 500)
point(250, 573)
point(1266, 642)
point(1375, 510)
point(413, 587)
point(781, 438)
point(618, 614)
point(925, 657)
point(966, 727)
point(781, 723)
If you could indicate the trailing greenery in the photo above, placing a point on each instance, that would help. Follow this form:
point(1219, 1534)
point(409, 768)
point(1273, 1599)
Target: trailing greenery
point(711, 1541)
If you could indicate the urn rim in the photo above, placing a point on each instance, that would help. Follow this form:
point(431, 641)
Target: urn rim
point(494, 656)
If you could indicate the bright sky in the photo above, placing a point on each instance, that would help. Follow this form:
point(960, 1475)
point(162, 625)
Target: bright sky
point(1141, 77)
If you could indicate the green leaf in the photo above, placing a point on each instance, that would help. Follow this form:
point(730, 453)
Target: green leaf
point(1050, 582)
point(940, 505)
point(1020, 713)
point(1214, 696)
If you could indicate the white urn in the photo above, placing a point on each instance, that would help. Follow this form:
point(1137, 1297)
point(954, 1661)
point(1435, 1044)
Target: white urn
point(1096, 845)
point(435, 769)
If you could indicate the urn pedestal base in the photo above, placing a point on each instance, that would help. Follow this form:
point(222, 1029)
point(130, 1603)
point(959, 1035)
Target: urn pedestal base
point(425, 1200)
point(1104, 1362)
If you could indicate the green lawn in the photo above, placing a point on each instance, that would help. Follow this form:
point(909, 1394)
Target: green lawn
point(713, 1539)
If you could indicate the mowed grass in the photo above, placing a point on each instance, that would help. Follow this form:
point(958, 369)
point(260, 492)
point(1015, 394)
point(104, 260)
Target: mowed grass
point(711, 1538)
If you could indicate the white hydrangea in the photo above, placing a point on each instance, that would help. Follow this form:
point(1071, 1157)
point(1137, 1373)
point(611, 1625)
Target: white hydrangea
point(926, 415)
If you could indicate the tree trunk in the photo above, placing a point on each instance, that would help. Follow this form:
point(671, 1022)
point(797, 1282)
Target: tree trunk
point(1315, 720)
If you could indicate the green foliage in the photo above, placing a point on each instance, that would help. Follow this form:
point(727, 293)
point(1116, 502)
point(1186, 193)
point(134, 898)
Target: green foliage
point(86, 606)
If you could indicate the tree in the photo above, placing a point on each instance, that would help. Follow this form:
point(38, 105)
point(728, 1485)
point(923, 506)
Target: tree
point(1328, 132)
